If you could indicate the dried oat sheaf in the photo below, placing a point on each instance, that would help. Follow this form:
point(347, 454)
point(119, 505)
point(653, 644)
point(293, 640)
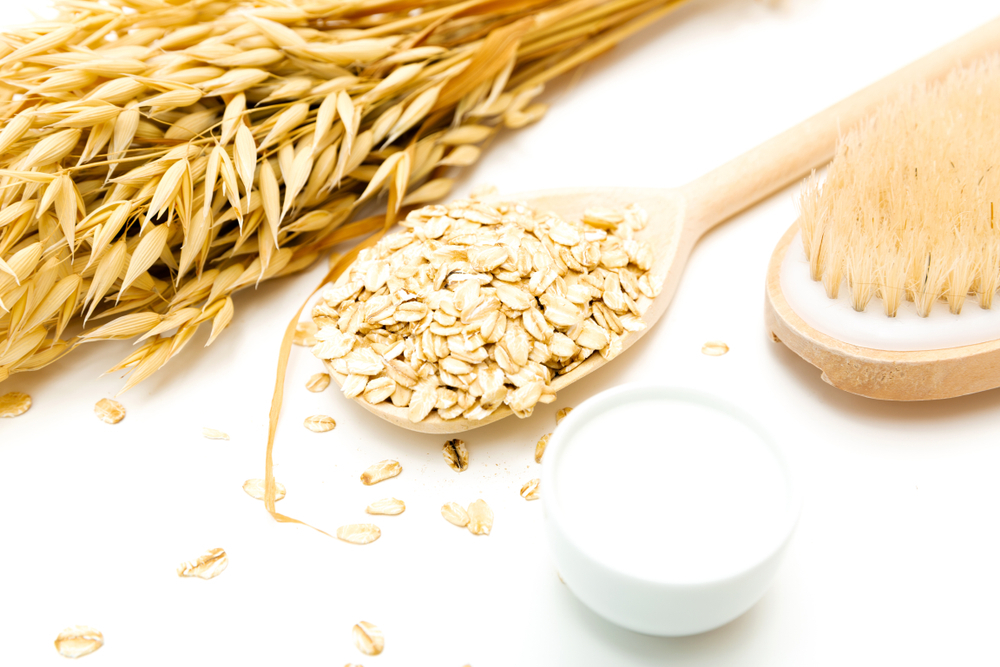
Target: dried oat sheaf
point(157, 157)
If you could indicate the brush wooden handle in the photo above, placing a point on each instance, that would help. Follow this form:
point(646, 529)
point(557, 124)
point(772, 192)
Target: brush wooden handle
point(762, 171)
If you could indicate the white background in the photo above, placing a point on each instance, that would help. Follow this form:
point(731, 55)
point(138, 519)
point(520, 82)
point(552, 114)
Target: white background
point(896, 556)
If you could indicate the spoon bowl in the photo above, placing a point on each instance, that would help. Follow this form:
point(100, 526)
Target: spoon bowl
point(668, 235)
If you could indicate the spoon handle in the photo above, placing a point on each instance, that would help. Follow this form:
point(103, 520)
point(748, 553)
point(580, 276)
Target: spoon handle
point(778, 162)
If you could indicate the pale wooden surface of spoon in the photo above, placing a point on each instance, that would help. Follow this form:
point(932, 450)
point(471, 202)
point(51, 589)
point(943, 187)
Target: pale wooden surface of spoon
point(679, 217)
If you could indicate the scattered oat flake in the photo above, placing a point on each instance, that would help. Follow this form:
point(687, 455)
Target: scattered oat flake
point(359, 533)
point(530, 490)
point(78, 640)
point(14, 404)
point(305, 334)
point(109, 411)
point(318, 382)
point(543, 442)
point(380, 471)
point(255, 489)
point(714, 348)
point(320, 423)
point(480, 518)
point(368, 638)
point(562, 414)
point(456, 514)
point(456, 455)
point(390, 506)
point(207, 566)
point(213, 434)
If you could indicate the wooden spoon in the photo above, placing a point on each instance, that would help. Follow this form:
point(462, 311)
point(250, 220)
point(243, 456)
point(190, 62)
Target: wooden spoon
point(679, 217)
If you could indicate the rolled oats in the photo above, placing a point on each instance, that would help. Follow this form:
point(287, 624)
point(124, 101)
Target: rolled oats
point(456, 514)
point(381, 471)
point(714, 348)
point(255, 489)
point(390, 506)
point(473, 307)
point(543, 442)
point(109, 411)
point(14, 404)
point(318, 382)
point(368, 638)
point(207, 566)
point(78, 640)
point(456, 455)
point(530, 490)
point(320, 423)
point(480, 517)
point(359, 533)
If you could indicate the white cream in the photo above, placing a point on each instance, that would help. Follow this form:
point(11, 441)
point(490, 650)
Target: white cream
point(671, 490)
point(906, 332)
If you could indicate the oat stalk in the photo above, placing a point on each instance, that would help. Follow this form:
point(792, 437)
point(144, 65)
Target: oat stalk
point(156, 157)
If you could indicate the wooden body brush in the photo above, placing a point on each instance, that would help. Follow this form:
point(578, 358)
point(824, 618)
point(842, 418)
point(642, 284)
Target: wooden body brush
point(679, 217)
point(904, 235)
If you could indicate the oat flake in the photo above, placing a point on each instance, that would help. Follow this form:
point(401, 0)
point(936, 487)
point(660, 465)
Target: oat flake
point(714, 348)
point(543, 442)
point(562, 414)
point(368, 638)
point(456, 455)
point(305, 334)
point(318, 382)
point(320, 423)
point(359, 533)
point(530, 490)
point(390, 506)
point(255, 489)
point(480, 518)
point(381, 471)
point(14, 404)
point(78, 640)
point(207, 566)
point(109, 411)
point(456, 514)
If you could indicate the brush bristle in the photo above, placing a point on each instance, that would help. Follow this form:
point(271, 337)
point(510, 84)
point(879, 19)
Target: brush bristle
point(908, 206)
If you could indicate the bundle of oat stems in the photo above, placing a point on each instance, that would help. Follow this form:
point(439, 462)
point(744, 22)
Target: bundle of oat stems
point(156, 157)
